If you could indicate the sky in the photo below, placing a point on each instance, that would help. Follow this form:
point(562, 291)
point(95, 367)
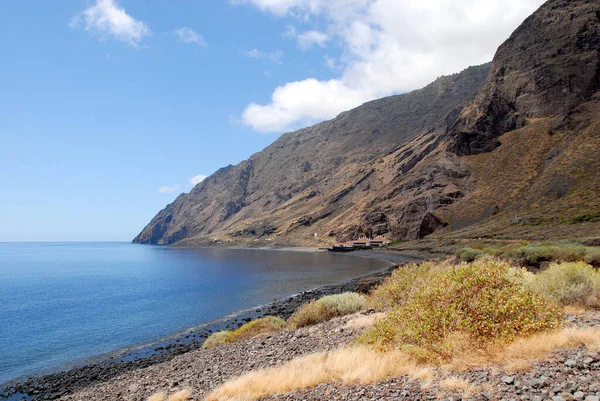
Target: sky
point(109, 109)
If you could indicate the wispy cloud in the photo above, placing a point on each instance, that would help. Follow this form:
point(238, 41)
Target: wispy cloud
point(307, 39)
point(197, 179)
point(276, 57)
point(168, 189)
point(107, 19)
point(187, 35)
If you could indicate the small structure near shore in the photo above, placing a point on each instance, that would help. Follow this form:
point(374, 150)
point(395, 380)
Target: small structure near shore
point(361, 243)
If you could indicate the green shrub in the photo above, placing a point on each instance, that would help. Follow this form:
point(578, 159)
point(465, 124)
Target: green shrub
point(469, 254)
point(568, 284)
point(486, 301)
point(534, 254)
point(585, 218)
point(216, 339)
point(258, 327)
point(592, 256)
point(507, 249)
point(397, 288)
point(569, 253)
point(326, 308)
point(492, 251)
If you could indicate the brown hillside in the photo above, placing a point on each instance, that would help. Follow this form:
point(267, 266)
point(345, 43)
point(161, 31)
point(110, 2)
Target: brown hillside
point(507, 155)
point(313, 174)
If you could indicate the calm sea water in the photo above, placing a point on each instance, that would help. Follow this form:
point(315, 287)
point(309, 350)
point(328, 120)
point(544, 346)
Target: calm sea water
point(67, 302)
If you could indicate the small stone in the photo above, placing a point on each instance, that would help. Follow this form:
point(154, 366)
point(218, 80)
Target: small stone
point(578, 395)
point(592, 398)
point(508, 379)
point(558, 398)
point(570, 363)
point(588, 361)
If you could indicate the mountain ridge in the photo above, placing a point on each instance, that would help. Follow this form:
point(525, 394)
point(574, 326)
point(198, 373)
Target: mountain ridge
point(335, 140)
point(467, 153)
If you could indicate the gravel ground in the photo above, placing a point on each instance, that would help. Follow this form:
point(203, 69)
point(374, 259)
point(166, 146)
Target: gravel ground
point(568, 375)
point(203, 370)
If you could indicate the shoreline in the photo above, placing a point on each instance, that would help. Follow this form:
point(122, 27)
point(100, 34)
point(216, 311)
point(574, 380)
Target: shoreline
point(99, 369)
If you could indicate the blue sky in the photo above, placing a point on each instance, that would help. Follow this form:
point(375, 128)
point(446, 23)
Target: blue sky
point(109, 108)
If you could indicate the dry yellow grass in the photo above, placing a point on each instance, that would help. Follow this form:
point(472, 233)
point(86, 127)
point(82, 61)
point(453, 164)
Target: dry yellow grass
point(458, 384)
point(351, 365)
point(326, 308)
point(158, 397)
point(182, 395)
point(216, 339)
point(364, 365)
point(519, 354)
point(363, 321)
point(574, 310)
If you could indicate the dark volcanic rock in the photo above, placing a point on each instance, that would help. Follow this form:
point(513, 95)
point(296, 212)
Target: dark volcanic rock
point(548, 67)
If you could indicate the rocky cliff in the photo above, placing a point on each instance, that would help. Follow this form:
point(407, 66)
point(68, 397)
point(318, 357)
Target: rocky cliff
point(468, 152)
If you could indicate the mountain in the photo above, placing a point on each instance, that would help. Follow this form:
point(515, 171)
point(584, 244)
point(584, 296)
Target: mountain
point(484, 152)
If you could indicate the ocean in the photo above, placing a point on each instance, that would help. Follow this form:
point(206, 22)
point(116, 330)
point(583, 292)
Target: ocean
point(65, 303)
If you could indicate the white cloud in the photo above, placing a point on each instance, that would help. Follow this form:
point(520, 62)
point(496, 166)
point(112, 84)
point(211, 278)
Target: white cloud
point(197, 179)
point(275, 57)
point(107, 19)
point(331, 63)
point(186, 35)
point(168, 189)
point(387, 47)
point(307, 39)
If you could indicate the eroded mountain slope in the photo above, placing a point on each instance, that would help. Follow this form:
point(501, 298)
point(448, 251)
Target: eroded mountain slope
point(471, 154)
point(306, 176)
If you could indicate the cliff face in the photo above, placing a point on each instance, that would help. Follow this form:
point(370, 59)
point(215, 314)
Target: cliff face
point(473, 149)
point(547, 68)
point(307, 175)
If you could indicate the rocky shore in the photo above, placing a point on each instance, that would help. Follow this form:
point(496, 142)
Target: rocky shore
point(54, 386)
point(569, 375)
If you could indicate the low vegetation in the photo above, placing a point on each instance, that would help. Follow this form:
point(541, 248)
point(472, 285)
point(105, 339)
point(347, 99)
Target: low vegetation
point(441, 318)
point(400, 286)
point(352, 365)
point(327, 308)
point(586, 218)
point(182, 395)
point(258, 327)
point(480, 303)
point(568, 284)
point(216, 339)
point(366, 365)
point(314, 312)
point(458, 384)
point(535, 254)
